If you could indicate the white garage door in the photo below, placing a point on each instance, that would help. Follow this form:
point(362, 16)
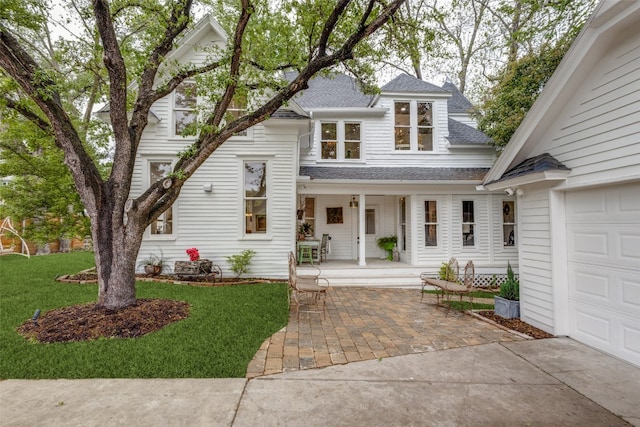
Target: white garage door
point(603, 233)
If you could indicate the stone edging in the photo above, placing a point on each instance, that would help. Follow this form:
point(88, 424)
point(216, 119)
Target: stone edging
point(485, 319)
point(142, 278)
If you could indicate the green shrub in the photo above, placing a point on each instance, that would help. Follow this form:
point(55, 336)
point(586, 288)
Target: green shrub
point(446, 272)
point(510, 289)
point(240, 263)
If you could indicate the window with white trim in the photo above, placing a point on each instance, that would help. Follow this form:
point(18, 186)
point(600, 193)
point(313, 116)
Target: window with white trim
point(509, 222)
point(163, 225)
point(255, 197)
point(430, 223)
point(236, 109)
point(185, 100)
point(340, 140)
point(468, 223)
point(413, 126)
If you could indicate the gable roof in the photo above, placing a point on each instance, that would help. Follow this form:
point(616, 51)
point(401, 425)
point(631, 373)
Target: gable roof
point(405, 83)
point(458, 103)
point(610, 18)
point(463, 134)
point(334, 91)
point(541, 163)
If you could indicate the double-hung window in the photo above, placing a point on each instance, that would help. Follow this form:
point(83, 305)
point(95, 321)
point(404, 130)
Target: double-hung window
point(163, 225)
point(340, 140)
point(508, 223)
point(255, 197)
point(185, 100)
point(431, 223)
point(236, 109)
point(413, 126)
point(468, 223)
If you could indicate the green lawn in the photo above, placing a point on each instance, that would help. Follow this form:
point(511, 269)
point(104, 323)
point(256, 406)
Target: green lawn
point(224, 330)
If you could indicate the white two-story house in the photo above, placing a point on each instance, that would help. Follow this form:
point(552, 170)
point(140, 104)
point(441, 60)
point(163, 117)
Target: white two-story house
point(404, 162)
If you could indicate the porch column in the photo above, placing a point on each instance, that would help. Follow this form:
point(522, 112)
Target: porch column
point(361, 230)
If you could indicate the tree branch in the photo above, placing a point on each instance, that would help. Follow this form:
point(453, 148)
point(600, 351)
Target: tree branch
point(28, 114)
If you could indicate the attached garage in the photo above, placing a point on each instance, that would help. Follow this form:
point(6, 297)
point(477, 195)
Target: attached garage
point(574, 163)
point(603, 242)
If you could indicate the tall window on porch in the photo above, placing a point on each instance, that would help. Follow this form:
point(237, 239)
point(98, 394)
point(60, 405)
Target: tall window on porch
point(369, 221)
point(431, 223)
point(164, 223)
point(255, 197)
point(310, 211)
point(509, 223)
point(468, 223)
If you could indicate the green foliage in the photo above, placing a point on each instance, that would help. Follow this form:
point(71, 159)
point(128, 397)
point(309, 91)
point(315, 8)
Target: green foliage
point(387, 242)
point(305, 228)
point(208, 344)
point(446, 272)
point(240, 263)
point(518, 86)
point(510, 289)
point(154, 259)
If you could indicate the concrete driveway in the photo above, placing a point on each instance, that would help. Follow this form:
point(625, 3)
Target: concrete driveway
point(540, 382)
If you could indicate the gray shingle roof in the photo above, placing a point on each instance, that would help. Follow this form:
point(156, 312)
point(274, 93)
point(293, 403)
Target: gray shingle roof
point(462, 134)
point(458, 103)
point(393, 174)
point(287, 114)
point(541, 163)
point(336, 91)
point(405, 83)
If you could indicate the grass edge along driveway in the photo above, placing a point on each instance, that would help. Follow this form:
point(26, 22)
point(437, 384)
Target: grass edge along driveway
point(225, 328)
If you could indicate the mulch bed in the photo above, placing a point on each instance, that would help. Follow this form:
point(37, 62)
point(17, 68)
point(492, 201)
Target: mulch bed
point(516, 325)
point(90, 322)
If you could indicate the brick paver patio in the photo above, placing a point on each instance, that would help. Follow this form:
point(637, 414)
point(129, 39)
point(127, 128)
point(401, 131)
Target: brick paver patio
point(365, 323)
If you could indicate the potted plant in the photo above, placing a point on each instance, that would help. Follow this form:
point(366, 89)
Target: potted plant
point(507, 303)
point(153, 264)
point(305, 229)
point(387, 243)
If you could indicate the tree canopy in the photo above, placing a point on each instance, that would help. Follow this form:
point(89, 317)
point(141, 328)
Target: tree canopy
point(122, 55)
point(471, 41)
point(517, 88)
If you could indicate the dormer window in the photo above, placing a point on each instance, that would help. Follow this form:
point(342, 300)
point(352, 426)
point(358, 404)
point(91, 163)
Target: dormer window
point(413, 126)
point(340, 140)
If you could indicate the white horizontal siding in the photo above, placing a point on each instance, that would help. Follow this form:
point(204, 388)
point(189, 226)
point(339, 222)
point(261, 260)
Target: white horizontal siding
point(213, 222)
point(379, 148)
point(599, 139)
point(536, 296)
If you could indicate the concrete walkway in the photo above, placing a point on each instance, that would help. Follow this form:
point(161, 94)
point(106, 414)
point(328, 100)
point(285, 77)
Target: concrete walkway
point(537, 382)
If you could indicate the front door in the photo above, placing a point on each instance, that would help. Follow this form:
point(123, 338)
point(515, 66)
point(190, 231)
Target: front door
point(371, 227)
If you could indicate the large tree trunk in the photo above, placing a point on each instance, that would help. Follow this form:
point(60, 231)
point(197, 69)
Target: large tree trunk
point(116, 248)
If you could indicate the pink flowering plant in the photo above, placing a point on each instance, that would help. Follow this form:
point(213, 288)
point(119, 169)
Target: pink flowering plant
point(193, 253)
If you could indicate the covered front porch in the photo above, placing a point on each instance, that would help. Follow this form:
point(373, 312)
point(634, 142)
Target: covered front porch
point(387, 274)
